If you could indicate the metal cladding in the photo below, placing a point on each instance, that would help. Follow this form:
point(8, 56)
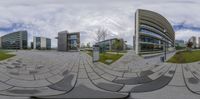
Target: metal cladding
point(153, 32)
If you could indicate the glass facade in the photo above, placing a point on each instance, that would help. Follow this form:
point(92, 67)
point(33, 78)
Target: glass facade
point(38, 43)
point(73, 41)
point(153, 33)
point(16, 40)
point(48, 43)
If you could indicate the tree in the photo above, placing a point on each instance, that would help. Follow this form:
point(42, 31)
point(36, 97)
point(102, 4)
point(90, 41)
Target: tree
point(101, 34)
point(82, 45)
point(118, 45)
point(189, 46)
point(88, 45)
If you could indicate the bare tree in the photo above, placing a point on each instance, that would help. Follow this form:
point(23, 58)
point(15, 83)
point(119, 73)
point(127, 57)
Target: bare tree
point(101, 34)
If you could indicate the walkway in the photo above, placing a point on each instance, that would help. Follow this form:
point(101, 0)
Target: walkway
point(45, 74)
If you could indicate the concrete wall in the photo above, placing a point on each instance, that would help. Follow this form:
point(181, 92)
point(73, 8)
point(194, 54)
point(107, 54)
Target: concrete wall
point(62, 41)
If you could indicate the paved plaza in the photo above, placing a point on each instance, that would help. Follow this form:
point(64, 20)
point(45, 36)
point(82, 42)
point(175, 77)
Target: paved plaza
point(51, 74)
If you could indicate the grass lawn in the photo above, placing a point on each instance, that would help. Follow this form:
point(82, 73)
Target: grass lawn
point(5, 55)
point(185, 57)
point(107, 56)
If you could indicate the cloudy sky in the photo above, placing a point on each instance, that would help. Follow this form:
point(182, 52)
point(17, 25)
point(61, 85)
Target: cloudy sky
point(47, 17)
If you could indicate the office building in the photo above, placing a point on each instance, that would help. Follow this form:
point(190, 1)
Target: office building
point(108, 45)
point(194, 41)
point(68, 41)
point(180, 43)
point(41, 43)
point(153, 33)
point(15, 40)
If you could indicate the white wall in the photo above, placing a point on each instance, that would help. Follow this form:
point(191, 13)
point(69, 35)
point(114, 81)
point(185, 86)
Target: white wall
point(43, 42)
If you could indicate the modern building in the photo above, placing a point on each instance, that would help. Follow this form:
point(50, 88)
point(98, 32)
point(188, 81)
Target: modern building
point(153, 33)
point(180, 43)
point(68, 41)
point(15, 40)
point(194, 41)
point(41, 43)
point(108, 45)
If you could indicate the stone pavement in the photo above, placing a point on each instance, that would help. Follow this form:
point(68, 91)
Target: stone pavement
point(51, 74)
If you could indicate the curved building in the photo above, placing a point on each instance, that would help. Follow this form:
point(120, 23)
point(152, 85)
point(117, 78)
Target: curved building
point(153, 33)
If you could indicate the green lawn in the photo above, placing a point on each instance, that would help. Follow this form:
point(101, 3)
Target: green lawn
point(185, 57)
point(107, 56)
point(5, 55)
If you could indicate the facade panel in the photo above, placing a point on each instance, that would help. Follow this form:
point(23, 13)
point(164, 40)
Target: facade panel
point(153, 33)
point(41, 43)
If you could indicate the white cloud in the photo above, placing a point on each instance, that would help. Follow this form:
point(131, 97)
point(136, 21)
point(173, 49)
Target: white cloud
point(48, 17)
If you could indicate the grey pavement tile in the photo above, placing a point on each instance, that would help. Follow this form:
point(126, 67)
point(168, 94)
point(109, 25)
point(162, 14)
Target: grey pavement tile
point(106, 85)
point(23, 83)
point(55, 78)
point(93, 76)
point(127, 81)
point(168, 92)
point(82, 74)
point(192, 82)
point(108, 76)
point(65, 84)
point(85, 89)
point(130, 74)
point(153, 85)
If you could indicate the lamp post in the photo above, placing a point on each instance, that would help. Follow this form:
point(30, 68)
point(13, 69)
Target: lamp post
point(165, 53)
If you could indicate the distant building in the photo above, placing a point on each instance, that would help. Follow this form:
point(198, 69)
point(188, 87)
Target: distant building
point(68, 41)
point(31, 45)
point(180, 43)
point(194, 41)
point(107, 45)
point(41, 43)
point(199, 42)
point(15, 40)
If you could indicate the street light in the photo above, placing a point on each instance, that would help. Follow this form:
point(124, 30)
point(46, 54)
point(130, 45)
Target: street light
point(165, 53)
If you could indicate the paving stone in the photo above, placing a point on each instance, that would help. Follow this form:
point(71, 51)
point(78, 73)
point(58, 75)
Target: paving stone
point(192, 82)
point(4, 86)
point(85, 89)
point(23, 83)
point(43, 75)
point(55, 78)
point(159, 73)
point(154, 85)
point(98, 71)
point(82, 74)
point(93, 76)
point(108, 76)
point(106, 85)
point(65, 84)
point(127, 81)
point(130, 75)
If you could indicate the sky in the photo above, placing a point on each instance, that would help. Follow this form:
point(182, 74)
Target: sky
point(48, 17)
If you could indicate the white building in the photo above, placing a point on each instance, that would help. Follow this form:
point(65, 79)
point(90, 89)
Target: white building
point(41, 43)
